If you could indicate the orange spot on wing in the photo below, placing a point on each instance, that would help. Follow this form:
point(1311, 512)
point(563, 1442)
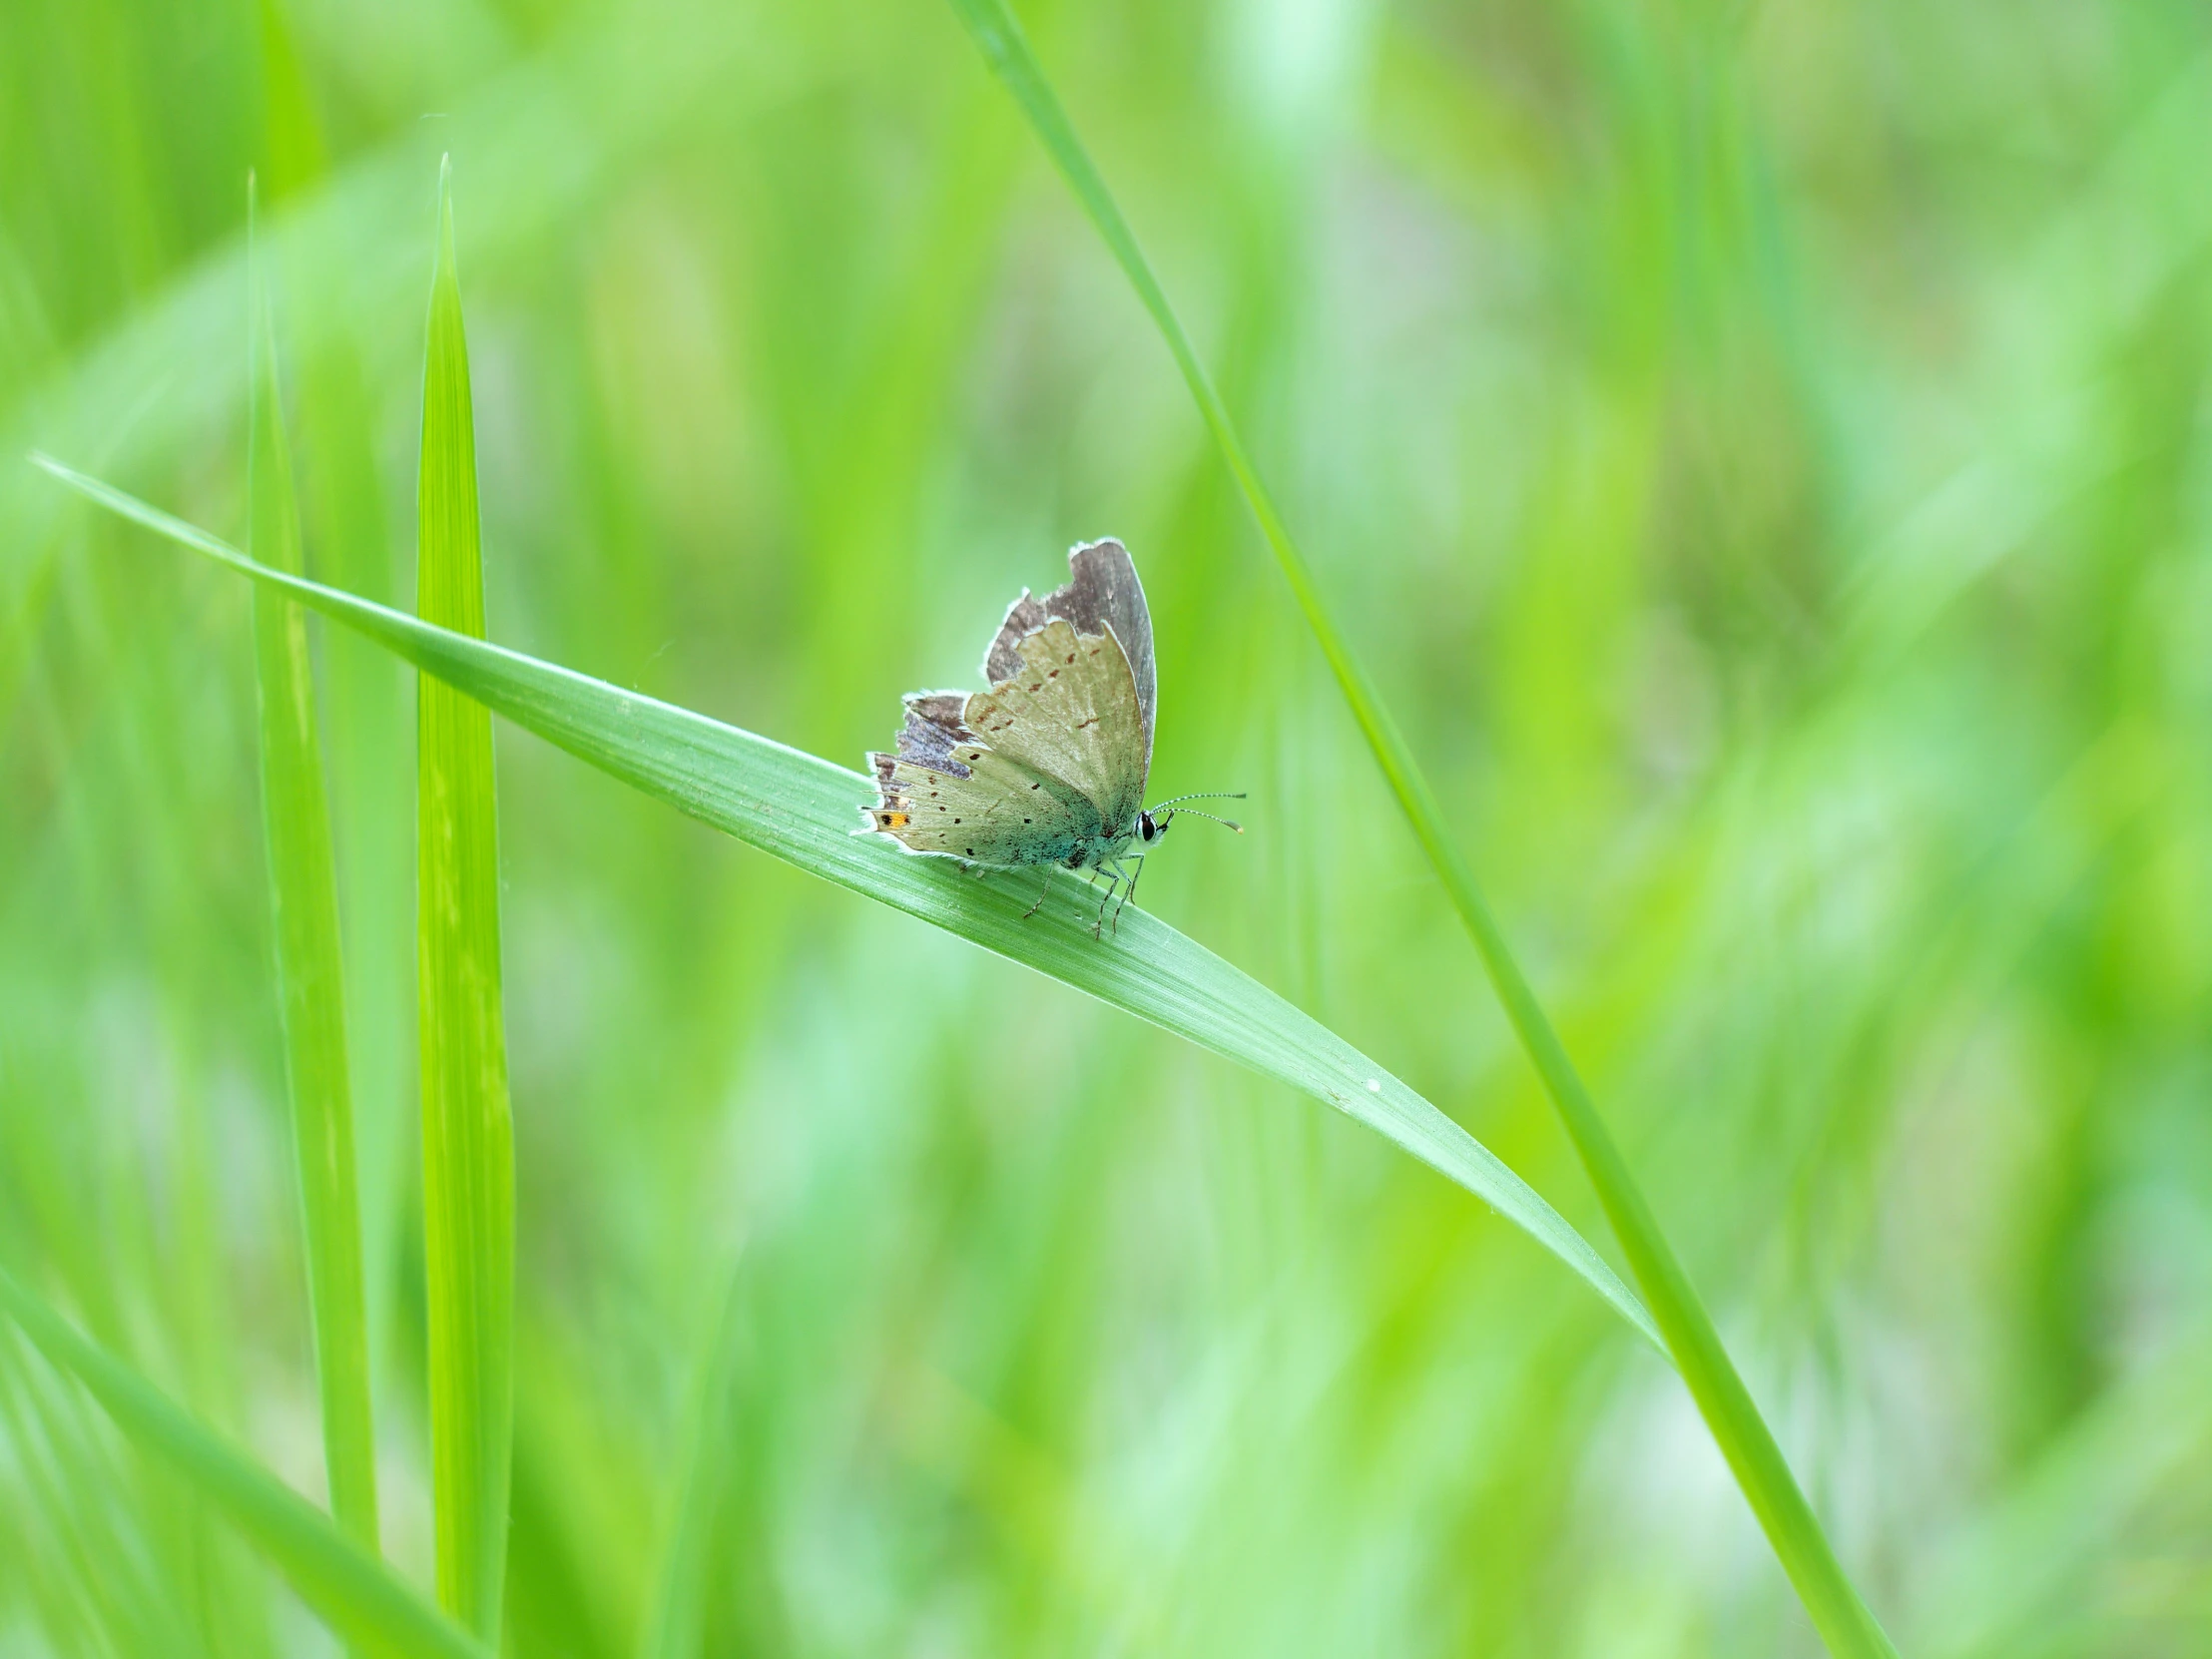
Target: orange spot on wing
point(894, 821)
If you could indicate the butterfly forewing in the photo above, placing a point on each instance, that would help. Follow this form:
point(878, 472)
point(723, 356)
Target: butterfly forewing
point(1101, 595)
point(1070, 714)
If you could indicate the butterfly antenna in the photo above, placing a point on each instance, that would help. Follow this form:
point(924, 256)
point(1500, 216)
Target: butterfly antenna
point(1221, 795)
point(1178, 812)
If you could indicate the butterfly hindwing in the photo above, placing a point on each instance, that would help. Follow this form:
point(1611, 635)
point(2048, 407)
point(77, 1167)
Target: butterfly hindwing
point(991, 810)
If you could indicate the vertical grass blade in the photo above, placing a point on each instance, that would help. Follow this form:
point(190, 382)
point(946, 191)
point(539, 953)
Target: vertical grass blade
point(467, 1133)
point(678, 1614)
point(302, 884)
point(353, 1591)
point(1726, 1404)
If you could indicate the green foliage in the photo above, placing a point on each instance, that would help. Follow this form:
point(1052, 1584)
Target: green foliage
point(1755, 454)
point(468, 1199)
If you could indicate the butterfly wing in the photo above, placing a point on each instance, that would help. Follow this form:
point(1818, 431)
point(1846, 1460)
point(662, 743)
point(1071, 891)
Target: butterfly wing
point(1070, 713)
point(1102, 595)
point(948, 792)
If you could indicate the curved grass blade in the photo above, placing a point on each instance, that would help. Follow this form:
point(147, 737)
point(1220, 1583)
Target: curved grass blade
point(1726, 1404)
point(468, 1201)
point(350, 1589)
point(798, 807)
point(302, 885)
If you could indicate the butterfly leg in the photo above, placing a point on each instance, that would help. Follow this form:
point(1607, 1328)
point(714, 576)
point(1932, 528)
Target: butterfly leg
point(1034, 908)
point(1129, 891)
point(1099, 922)
point(1116, 873)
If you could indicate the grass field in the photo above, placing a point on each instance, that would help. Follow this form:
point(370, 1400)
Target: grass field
point(1757, 456)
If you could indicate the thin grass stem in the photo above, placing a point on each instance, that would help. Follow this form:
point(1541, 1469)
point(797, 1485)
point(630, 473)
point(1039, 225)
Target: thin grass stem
point(1725, 1402)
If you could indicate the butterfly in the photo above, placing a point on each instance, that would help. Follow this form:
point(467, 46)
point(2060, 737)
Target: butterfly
point(1047, 767)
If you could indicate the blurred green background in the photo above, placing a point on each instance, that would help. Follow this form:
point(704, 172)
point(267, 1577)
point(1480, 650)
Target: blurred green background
point(1764, 452)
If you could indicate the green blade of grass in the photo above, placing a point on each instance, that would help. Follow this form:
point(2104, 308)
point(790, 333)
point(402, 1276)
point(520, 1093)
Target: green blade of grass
point(303, 883)
point(467, 1130)
point(1726, 1404)
point(350, 1589)
point(676, 1615)
point(797, 807)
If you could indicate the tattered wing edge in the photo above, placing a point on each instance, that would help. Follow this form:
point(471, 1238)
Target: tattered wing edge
point(934, 728)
